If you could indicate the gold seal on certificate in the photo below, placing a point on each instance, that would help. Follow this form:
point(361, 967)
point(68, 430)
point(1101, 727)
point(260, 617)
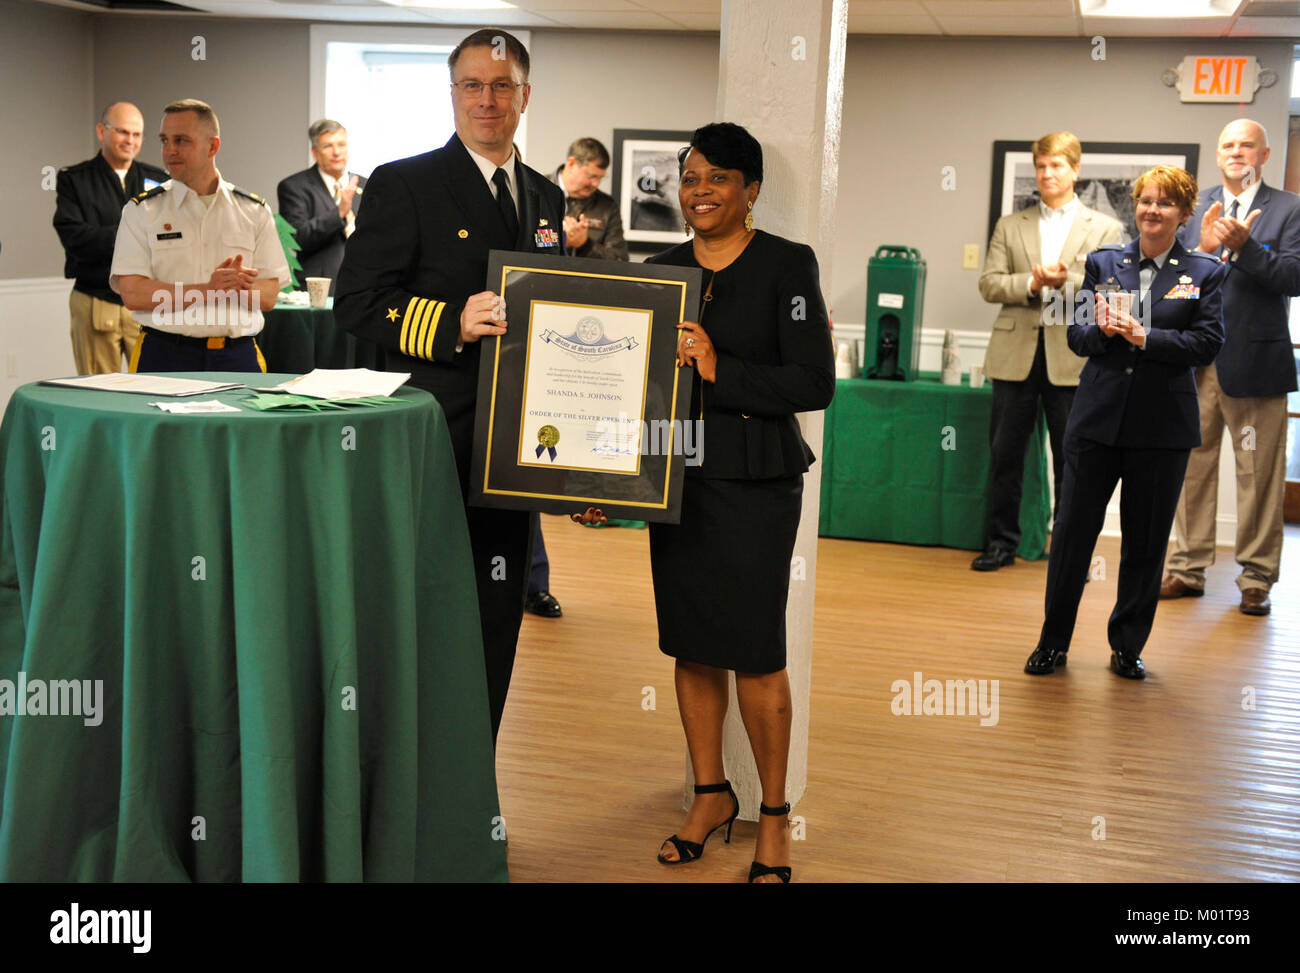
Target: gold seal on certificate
point(588, 361)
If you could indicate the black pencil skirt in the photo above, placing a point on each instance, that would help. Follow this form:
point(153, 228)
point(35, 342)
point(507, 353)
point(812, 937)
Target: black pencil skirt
point(722, 575)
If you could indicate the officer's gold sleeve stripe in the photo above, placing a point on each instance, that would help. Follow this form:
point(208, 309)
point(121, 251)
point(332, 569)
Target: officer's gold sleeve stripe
point(418, 335)
point(406, 324)
point(433, 329)
point(413, 336)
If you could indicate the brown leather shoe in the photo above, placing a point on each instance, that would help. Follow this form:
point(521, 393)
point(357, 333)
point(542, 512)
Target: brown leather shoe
point(1172, 587)
point(1254, 601)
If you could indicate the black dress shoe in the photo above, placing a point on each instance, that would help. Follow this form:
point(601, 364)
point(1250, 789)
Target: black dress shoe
point(1130, 667)
point(543, 603)
point(1043, 662)
point(992, 560)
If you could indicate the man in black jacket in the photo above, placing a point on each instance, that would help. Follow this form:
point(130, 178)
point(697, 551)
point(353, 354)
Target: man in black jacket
point(91, 195)
point(414, 281)
point(592, 225)
point(321, 203)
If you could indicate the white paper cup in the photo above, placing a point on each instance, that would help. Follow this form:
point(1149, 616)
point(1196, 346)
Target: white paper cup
point(977, 376)
point(318, 289)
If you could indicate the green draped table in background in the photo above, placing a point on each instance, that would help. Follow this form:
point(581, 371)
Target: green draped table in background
point(281, 608)
point(908, 462)
point(297, 339)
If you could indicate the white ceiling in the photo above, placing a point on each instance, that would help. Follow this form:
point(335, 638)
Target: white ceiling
point(1033, 18)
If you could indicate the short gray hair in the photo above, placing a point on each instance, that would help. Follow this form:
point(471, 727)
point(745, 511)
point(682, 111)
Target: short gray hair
point(325, 126)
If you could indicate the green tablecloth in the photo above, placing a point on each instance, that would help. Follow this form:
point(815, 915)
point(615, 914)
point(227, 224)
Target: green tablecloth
point(297, 339)
point(306, 702)
point(908, 462)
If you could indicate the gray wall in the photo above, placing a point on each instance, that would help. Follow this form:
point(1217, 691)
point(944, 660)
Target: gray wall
point(914, 105)
point(46, 115)
point(911, 106)
point(255, 77)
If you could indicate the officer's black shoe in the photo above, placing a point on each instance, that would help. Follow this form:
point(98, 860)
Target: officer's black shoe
point(543, 603)
point(1045, 661)
point(993, 559)
point(1128, 666)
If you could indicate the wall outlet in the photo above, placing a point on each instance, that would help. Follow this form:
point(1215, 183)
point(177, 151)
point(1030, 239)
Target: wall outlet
point(970, 257)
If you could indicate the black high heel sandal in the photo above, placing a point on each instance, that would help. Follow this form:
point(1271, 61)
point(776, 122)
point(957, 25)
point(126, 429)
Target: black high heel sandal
point(688, 851)
point(758, 869)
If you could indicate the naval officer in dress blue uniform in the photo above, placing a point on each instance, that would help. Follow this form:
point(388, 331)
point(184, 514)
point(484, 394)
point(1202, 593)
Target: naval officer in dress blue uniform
point(414, 280)
point(1135, 417)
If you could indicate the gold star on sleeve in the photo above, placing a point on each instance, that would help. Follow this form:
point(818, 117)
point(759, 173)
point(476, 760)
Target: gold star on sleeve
point(392, 314)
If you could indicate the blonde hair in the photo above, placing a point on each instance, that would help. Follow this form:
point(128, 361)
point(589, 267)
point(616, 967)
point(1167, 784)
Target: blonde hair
point(1059, 143)
point(200, 108)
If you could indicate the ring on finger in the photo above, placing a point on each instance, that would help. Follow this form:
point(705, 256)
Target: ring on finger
point(690, 342)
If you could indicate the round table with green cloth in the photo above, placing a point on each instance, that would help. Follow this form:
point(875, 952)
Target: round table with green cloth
point(281, 608)
point(296, 338)
point(908, 462)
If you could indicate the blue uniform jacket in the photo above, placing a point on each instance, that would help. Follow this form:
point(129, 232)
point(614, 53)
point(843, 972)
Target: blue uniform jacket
point(1146, 398)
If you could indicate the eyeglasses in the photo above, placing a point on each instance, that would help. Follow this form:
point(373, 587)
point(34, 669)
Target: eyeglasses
point(499, 89)
point(122, 131)
point(1157, 204)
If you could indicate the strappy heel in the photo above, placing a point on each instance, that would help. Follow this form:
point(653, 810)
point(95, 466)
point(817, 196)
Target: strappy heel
point(689, 851)
point(758, 869)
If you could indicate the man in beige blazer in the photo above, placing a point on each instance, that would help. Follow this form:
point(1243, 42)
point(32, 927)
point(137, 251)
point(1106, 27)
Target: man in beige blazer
point(1034, 264)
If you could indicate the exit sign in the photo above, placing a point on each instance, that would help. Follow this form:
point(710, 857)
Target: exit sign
point(1218, 78)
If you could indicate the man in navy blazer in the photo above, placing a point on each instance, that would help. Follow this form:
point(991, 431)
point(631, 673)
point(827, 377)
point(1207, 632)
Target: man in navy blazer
point(321, 203)
point(1256, 229)
point(414, 281)
point(1134, 418)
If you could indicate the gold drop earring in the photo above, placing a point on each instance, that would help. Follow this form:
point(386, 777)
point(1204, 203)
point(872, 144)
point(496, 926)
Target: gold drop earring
point(749, 216)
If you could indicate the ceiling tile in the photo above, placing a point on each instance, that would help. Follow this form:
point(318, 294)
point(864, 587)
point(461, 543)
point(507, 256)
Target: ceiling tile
point(1010, 26)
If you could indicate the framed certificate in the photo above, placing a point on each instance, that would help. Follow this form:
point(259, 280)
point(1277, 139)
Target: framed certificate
point(581, 403)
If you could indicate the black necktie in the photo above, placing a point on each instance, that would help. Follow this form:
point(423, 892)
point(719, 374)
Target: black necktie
point(1232, 210)
point(1146, 264)
point(506, 203)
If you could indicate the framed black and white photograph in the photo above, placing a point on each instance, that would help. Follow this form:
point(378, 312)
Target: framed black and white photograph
point(1106, 175)
point(645, 185)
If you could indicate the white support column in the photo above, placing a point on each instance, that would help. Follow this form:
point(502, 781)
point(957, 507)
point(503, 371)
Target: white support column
point(781, 76)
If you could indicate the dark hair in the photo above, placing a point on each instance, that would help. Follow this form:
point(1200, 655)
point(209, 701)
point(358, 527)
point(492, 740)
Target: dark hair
point(727, 146)
point(590, 150)
point(494, 38)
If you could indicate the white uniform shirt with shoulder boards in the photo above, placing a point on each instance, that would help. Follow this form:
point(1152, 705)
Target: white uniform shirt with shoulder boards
point(168, 234)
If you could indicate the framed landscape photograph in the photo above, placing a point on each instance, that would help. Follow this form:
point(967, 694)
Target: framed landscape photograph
point(1106, 175)
point(645, 186)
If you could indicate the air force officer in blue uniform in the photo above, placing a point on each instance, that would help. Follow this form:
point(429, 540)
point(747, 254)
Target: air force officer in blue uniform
point(1135, 417)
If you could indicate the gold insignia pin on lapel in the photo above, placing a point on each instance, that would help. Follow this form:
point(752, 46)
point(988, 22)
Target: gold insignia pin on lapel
point(1184, 279)
point(1174, 261)
point(462, 233)
point(543, 223)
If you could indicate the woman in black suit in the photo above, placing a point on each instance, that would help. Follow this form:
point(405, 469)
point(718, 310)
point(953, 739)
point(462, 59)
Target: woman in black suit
point(1135, 416)
point(761, 352)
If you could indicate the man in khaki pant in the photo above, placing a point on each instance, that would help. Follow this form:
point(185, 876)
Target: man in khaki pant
point(91, 195)
point(1256, 230)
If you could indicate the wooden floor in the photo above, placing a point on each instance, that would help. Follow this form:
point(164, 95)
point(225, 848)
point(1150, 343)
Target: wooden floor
point(1191, 786)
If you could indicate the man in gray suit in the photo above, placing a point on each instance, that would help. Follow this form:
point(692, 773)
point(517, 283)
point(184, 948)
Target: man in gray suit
point(1255, 229)
point(1035, 262)
point(592, 225)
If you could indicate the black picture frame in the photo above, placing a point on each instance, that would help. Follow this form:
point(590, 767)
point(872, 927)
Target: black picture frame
point(1106, 176)
point(645, 187)
point(510, 468)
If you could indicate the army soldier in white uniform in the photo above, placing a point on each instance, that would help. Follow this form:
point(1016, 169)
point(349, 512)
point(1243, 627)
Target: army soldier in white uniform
point(197, 259)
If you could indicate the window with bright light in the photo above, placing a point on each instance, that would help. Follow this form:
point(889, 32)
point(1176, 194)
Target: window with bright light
point(389, 87)
point(392, 99)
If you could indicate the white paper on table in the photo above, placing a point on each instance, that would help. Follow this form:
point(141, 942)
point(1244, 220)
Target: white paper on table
point(205, 407)
point(333, 384)
point(143, 384)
